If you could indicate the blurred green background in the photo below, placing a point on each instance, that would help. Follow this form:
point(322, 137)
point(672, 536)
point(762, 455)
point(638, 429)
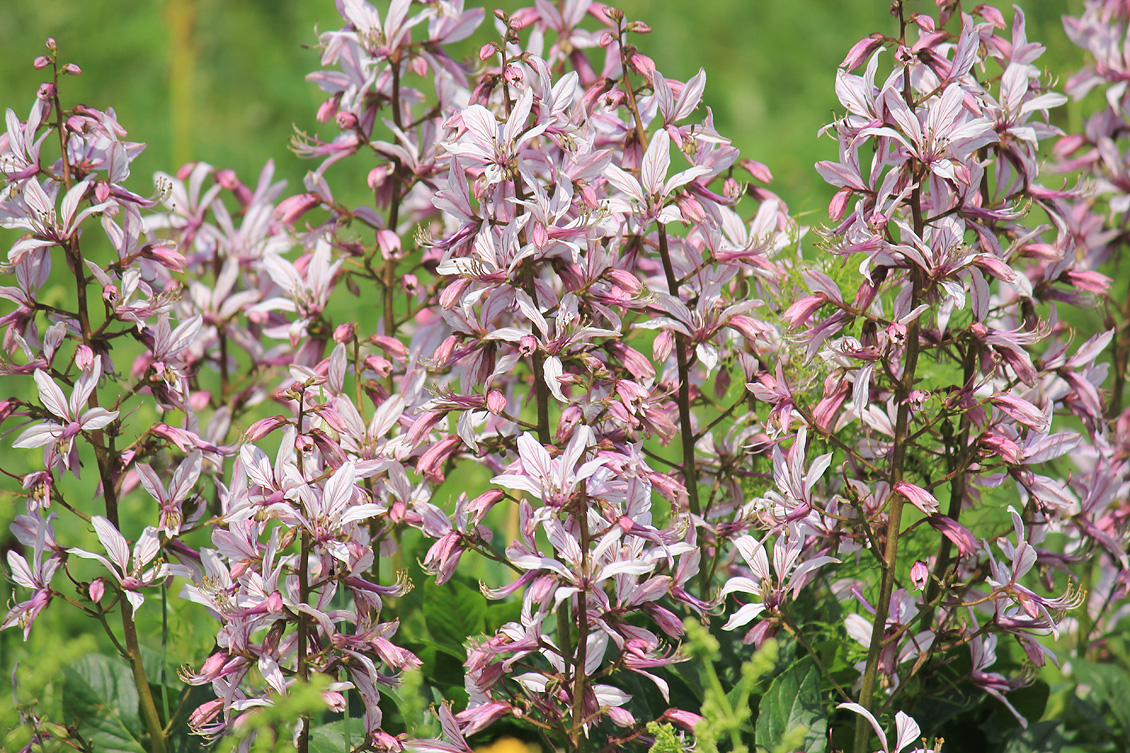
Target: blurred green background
point(223, 80)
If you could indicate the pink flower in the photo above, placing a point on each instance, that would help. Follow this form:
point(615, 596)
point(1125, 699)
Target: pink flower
point(128, 570)
point(73, 419)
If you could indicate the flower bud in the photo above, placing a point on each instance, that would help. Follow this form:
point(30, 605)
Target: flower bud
point(345, 333)
point(51, 44)
point(97, 589)
point(84, 357)
point(72, 70)
point(410, 284)
point(919, 574)
point(41, 62)
point(496, 402)
point(487, 51)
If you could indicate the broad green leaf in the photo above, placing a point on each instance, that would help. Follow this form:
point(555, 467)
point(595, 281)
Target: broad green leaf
point(793, 700)
point(454, 612)
point(332, 737)
point(99, 695)
point(1109, 683)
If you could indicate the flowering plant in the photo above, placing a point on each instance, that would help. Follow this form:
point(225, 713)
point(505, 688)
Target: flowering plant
point(613, 403)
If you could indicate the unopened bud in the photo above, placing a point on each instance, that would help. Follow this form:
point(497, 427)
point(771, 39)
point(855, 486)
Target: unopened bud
point(501, 15)
point(51, 44)
point(607, 39)
point(84, 357)
point(377, 176)
point(615, 14)
point(919, 574)
point(410, 284)
point(41, 62)
point(496, 402)
point(380, 365)
point(345, 332)
point(72, 70)
point(639, 27)
point(97, 589)
point(487, 51)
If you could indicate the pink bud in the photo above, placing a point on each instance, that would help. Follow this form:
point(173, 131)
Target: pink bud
point(919, 574)
point(51, 44)
point(72, 70)
point(389, 243)
point(84, 357)
point(41, 62)
point(263, 427)
point(639, 27)
point(496, 402)
point(274, 602)
point(607, 39)
point(410, 284)
point(46, 92)
point(380, 365)
point(487, 51)
point(97, 589)
point(570, 417)
point(345, 332)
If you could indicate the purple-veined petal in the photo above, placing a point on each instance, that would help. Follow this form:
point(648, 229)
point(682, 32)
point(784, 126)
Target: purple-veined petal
point(97, 418)
point(38, 435)
point(907, 731)
point(625, 182)
point(147, 546)
point(744, 616)
point(656, 162)
point(114, 543)
point(85, 385)
point(135, 599)
point(867, 715)
point(21, 572)
point(52, 397)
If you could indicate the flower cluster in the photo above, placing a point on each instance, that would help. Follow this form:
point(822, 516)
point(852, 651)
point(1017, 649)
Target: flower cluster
point(595, 336)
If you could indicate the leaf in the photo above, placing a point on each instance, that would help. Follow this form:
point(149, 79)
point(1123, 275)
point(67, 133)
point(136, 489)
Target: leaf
point(99, 694)
point(501, 612)
point(1040, 737)
point(793, 700)
point(454, 612)
point(1109, 683)
point(332, 737)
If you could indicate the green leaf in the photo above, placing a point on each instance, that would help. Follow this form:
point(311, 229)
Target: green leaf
point(454, 612)
point(1040, 737)
point(499, 613)
point(332, 737)
point(1109, 683)
point(792, 701)
point(99, 695)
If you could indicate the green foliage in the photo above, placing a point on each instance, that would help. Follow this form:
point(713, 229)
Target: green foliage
point(727, 715)
point(791, 716)
point(100, 694)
